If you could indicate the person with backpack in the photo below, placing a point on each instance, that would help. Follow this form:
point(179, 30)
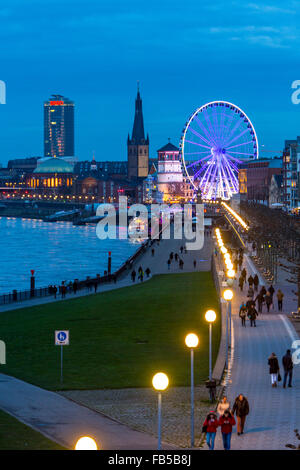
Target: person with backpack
point(226, 422)
point(210, 428)
point(241, 409)
point(241, 283)
point(260, 300)
point(243, 313)
point(252, 315)
point(287, 362)
point(273, 369)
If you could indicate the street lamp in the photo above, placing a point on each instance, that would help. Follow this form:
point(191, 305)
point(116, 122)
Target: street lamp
point(86, 443)
point(192, 341)
point(228, 296)
point(210, 317)
point(160, 382)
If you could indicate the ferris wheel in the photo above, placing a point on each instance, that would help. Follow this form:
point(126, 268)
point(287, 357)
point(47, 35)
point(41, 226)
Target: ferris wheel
point(217, 137)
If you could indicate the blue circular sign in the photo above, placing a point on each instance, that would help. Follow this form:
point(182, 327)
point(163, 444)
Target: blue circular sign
point(61, 336)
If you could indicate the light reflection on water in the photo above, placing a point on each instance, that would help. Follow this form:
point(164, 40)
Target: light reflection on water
point(56, 251)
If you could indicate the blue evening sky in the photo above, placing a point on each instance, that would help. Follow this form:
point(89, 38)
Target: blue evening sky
point(184, 53)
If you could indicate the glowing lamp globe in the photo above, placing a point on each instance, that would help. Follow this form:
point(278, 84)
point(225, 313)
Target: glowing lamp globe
point(86, 443)
point(160, 381)
point(223, 250)
point(231, 273)
point(210, 316)
point(228, 294)
point(191, 340)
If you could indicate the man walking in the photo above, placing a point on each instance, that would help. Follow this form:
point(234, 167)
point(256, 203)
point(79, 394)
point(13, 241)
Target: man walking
point(288, 365)
point(241, 409)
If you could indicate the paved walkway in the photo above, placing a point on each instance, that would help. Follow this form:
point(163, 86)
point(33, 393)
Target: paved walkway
point(64, 421)
point(274, 412)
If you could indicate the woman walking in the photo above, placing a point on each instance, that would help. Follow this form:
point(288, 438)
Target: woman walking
point(243, 313)
point(223, 406)
point(274, 369)
point(210, 427)
point(226, 422)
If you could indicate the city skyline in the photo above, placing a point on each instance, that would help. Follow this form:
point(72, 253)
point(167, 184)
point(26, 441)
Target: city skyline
point(182, 58)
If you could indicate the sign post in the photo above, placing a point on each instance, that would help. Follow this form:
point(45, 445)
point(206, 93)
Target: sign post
point(62, 338)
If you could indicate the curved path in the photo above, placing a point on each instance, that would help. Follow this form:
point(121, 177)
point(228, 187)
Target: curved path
point(274, 412)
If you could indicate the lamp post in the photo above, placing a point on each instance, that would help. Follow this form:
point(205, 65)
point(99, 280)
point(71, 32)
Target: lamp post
point(228, 295)
point(192, 341)
point(210, 317)
point(160, 382)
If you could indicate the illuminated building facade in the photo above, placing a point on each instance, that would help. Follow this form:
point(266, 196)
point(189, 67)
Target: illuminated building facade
point(291, 175)
point(52, 176)
point(58, 127)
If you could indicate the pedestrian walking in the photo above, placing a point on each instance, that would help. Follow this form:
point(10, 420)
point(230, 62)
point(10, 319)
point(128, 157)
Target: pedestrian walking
point(75, 286)
point(252, 315)
point(152, 251)
point(273, 369)
point(241, 409)
point(240, 263)
point(271, 290)
point(244, 274)
point(133, 275)
point(148, 272)
point(287, 362)
point(226, 422)
point(256, 282)
point(181, 249)
point(263, 290)
point(63, 290)
point(280, 296)
point(141, 276)
point(250, 281)
point(250, 293)
point(194, 263)
point(223, 406)
point(260, 300)
point(241, 283)
point(171, 255)
point(243, 313)
point(268, 300)
point(54, 291)
point(176, 256)
point(95, 286)
point(210, 427)
point(169, 264)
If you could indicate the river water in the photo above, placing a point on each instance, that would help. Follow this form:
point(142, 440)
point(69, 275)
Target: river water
point(56, 251)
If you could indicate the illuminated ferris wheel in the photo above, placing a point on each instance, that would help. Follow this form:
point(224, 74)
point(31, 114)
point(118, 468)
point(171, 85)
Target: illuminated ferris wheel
point(217, 137)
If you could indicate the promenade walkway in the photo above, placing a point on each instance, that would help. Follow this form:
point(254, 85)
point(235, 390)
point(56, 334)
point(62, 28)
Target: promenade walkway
point(274, 412)
point(157, 265)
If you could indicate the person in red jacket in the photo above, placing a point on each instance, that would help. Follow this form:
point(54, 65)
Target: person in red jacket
point(226, 422)
point(210, 427)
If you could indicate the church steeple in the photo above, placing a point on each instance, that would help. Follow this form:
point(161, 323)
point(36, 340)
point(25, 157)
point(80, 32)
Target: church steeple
point(138, 133)
point(138, 145)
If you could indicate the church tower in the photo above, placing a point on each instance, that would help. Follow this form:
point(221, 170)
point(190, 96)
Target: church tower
point(137, 145)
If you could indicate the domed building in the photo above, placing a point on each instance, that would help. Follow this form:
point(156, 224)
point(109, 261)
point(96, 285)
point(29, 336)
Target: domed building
point(53, 175)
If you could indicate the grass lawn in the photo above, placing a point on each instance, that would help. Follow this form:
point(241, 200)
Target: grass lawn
point(16, 436)
point(118, 339)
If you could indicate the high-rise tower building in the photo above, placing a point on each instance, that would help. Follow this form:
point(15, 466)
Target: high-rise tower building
point(138, 145)
point(58, 127)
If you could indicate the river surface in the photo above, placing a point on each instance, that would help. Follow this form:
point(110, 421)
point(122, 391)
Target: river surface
point(56, 251)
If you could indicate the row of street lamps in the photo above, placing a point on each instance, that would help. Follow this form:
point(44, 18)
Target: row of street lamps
point(160, 380)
